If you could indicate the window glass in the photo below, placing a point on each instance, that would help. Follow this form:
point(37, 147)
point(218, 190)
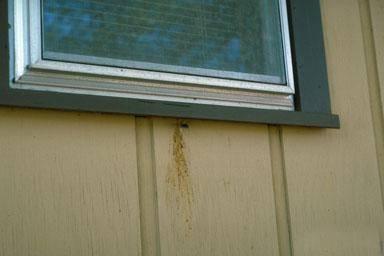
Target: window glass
point(237, 39)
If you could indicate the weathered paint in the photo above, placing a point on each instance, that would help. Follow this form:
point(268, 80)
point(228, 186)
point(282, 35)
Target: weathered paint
point(178, 179)
point(96, 184)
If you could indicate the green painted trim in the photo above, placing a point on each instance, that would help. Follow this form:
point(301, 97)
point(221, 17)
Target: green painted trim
point(312, 92)
point(64, 101)
point(166, 109)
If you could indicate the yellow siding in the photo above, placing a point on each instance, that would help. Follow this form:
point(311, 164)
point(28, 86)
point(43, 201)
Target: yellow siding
point(332, 175)
point(94, 184)
point(68, 184)
point(215, 193)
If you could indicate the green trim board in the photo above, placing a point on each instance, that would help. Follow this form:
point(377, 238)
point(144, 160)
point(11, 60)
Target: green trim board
point(310, 75)
point(311, 79)
point(166, 109)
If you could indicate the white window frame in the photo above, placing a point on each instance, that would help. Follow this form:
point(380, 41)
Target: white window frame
point(31, 72)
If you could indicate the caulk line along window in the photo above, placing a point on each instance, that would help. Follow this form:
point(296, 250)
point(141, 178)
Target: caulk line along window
point(226, 53)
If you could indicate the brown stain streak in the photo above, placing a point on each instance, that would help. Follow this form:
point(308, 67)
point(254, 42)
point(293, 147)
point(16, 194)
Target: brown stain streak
point(179, 178)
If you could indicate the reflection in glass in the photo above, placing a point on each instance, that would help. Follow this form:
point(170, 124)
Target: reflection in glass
point(239, 39)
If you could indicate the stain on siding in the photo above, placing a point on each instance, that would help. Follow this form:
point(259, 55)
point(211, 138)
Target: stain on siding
point(179, 180)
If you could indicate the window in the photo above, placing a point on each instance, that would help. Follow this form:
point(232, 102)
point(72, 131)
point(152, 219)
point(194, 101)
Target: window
point(240, 40)
point(231, 53)
point(228, 60)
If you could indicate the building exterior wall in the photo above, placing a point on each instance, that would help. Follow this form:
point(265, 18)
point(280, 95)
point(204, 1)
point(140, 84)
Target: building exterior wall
point(76, 183)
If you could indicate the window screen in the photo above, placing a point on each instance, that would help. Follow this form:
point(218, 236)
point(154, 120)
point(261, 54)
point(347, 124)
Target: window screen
point(235, 39)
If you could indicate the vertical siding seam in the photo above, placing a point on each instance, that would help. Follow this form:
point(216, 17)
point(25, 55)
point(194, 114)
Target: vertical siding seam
point(284, 169)
point(149, 217)
point(154, 173)
point(283, 219)
point(373, 87)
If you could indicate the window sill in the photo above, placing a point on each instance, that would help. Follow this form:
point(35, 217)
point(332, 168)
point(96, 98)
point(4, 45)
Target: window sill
point(52, 100)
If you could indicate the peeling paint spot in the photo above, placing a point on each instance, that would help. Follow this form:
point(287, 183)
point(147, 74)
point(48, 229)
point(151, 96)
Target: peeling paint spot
point(179, 179)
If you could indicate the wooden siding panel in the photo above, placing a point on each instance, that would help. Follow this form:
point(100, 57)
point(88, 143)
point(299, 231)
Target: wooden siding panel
point(332, 175)
point(215, 192)
point(68, 184)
